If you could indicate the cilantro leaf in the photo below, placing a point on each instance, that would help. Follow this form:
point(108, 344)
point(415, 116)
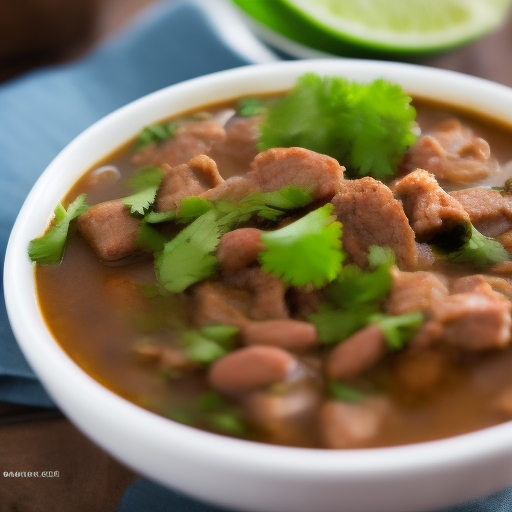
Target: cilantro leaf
point(343, 393)
point(154, 133)
point(354, 288)
point(158, 217)
point(335, 325)
point(49, 248)
point(306, 251)
point(248, 107)
point(145, 182)
point(479, 250)
point(191, 208)
point(187, 258)
point(149, 239)
point(366, 127)
point(209, 343)
point(398, 330)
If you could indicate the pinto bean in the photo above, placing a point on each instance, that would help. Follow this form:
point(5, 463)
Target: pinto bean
point(248, 369)
point(356, 354)
point(292, 335)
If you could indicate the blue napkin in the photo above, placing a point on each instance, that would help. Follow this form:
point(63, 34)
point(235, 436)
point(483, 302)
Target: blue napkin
point(44, 110)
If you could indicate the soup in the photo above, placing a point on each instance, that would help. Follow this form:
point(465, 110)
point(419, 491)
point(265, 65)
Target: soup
point(272, 294)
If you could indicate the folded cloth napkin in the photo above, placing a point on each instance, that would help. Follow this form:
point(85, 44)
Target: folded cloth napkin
point(44, 110)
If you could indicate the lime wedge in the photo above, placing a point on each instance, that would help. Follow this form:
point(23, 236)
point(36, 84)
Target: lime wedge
point(359, 27)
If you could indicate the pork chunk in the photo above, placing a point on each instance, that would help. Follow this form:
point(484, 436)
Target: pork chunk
point(356, 354)
point(239, 248)
point(352, 425)
point(191, 139)
point(178, 182)
point(452, 153)
point(489, 210)
point(279, 167)
point(372, 216)
point(267, 293)
point(109, 229)
point(205, 169)
point(232, 190)
point(432, 212)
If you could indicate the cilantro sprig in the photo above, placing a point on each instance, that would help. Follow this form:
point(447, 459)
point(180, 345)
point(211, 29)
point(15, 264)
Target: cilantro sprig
point(366, 127)
point(188, 258)
point(247, 107)
point(478, 250)
point(354, 302)
point(154, 133)
point(49, 248)
point(306, 251)
point(209, 343)
point(145, 183)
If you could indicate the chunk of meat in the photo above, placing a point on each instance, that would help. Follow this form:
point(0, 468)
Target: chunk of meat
point(252, 368)
point(426, 256)
point(433, 214)
point(267, 293)
point(285, 415)
point(506, 240)
point(280, 167)
point(109, 229)
point(232, 190)
point(239, 248)
point(356, 354)
point(304, 301)
point(213, 303)
point(372, 216)
point(413, 291)
point(178, 182)
point(292, 335)
point(489, 210)
point(352, 425)
point(451, 153)
point(421, 372)
point(206, 170)
point(476, 320)
point(481, 282)
point(241, 140)
point(190, 140)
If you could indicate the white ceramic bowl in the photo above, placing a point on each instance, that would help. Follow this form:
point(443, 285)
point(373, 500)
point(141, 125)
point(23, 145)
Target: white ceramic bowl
point(230, 472)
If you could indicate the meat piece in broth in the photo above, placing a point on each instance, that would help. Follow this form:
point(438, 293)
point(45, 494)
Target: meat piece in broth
point(489, 210)
point(353, 425)
point(110, 230)
point(190, 140)
point(239, 248)
point(232, 190)
point(266, 290)
point(280, 167)
point(434, 215)
point(372, 216)
point(452, 153)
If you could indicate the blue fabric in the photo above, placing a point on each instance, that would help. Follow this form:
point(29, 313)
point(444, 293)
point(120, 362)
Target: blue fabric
point(44, 110)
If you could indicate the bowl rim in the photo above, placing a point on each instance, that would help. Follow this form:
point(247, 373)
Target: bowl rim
point(47, 358)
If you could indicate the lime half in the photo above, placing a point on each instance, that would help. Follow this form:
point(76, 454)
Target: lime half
point(358, 27)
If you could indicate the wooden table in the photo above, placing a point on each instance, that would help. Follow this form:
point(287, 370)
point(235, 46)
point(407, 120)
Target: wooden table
point(37, 440)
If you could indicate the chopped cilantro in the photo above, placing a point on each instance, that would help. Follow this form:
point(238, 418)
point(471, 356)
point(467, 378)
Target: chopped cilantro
point(366, 127)
point(479, 250)
point(209, 343)
point(506, 188)
point(209, 400)
point(187, 258)
point(180, 416)
point(158, 217)
point(248, 107)
point(191, 208)
point(221, 333)
point(398, 330)
point(149, 239)
point(154, 133)
point(49, 248)
point(335, 325)
point(227, 423)
point(343, 393)
point(306, 251)
point(353, 287)
point(145, 182)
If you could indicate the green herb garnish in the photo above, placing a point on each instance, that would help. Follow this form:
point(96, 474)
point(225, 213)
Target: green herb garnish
point(398, 330)
point(145, 182)
point(343, 393)
point(154, 133)
point(366, 127)
point(306, 251)
point(248, 107)
point(49, 248)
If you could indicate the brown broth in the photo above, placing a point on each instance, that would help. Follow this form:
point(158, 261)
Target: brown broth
point(93, 311)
